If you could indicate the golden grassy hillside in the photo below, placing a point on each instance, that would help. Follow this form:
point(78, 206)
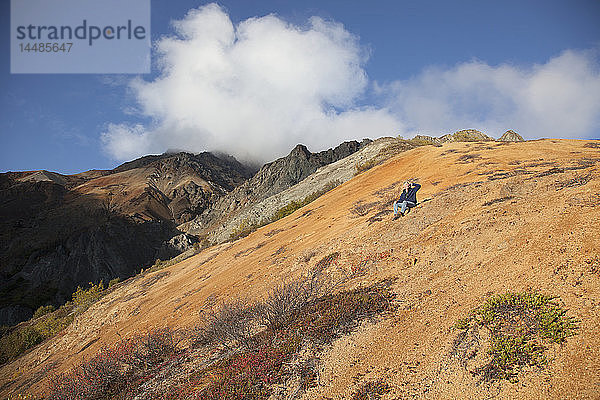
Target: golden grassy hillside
point(494, 217)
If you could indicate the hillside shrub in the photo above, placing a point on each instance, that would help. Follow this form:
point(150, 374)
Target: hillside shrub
point(113, 282)
point(84, 298)
point(246, 375)
point(47, 322)
point(251, 372)
point(243, 229)
point(365, 166)
point(43, 310)
point(160, 264)
point(295, 205)
point(230, 324)
point(521, 327)
point(114, 369)
point(17, 342)
point(52, 324)
point(327, 261)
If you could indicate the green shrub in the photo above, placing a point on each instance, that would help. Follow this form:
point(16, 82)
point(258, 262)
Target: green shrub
point(17, 342)
point(287, 210)
point(295, 205)
point(113, 282)
point(521, 326)
point(243, 229)
point(159, 264)
point(365, 166)
point(43, 310)
point(84, 298)
point(52, 324)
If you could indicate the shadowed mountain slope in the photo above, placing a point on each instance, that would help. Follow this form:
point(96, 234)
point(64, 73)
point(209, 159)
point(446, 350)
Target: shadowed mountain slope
point(60, 231)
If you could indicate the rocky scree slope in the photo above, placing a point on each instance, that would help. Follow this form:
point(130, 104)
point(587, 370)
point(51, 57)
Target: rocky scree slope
point(494, 217)
point(272, 178)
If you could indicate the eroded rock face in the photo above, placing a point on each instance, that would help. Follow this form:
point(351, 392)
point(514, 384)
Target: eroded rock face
point(271, 179)
point(511, 136)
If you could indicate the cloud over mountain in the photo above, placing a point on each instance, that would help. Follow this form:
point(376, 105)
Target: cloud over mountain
point(257, 88)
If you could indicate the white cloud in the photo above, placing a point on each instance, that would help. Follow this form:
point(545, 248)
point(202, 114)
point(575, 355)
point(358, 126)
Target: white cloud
point(253, 90)
point(258, 88)
point(560, 98)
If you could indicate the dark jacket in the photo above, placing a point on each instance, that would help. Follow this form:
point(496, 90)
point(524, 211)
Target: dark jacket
point(410, 194)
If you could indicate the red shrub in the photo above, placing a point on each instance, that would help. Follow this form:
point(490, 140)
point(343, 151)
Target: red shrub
point(114, 368)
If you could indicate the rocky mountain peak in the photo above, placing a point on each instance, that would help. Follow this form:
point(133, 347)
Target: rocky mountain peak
point(60, 231)
point(300, 151)
point(511, 136)
point(466, 135)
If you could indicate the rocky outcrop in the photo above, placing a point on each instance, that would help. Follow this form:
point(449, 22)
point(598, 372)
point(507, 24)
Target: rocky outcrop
point(511, 136)
point(271, 179)
point(466, 135)
point(176, 245)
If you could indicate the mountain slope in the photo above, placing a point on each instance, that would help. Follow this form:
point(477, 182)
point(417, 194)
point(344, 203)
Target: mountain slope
point(60, 231)
point(498, 217)
point(171, 186)
point(272, 178)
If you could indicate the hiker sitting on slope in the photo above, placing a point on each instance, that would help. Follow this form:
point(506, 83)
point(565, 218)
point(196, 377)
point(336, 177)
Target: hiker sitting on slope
point(408, 198)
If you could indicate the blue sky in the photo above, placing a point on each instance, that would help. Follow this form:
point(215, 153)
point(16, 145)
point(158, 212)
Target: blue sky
point(384, 67)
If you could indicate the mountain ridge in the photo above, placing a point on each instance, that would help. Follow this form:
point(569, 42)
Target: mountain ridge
point(271, 178)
